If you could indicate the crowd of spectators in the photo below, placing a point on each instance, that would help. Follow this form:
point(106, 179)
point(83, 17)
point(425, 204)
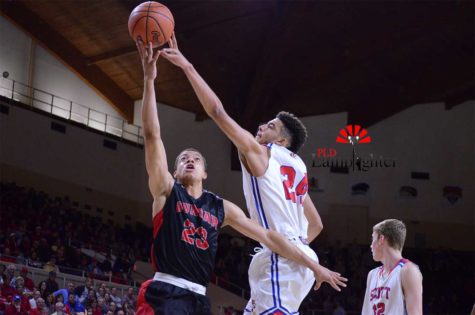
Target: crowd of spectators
point(19, 295)
point(47, 233)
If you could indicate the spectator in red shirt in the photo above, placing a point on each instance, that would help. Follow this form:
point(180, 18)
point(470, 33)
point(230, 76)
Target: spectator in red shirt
point(16, 307)
point(28, 282)
point(40, 306)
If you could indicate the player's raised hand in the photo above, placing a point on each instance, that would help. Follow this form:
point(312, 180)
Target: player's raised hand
point(173, 55)
point(334, 279)
point(149, 59)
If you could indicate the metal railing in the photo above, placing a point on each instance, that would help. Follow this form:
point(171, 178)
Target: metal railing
point(67, 109)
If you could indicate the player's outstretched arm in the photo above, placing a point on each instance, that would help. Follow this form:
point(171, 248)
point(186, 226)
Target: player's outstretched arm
point(315, 225)
point(241, 138)
point(160, 180)
point(236, 218)
point(411, 280)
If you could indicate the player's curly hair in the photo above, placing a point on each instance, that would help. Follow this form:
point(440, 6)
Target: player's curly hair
point(294, 130)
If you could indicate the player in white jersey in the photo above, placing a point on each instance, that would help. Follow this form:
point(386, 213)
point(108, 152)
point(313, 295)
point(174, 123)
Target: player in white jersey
point(395, 288)
point(275, 184)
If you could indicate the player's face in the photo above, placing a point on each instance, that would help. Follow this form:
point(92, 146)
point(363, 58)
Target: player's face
point(269, 132)
point(190, 166)
point(376, 246)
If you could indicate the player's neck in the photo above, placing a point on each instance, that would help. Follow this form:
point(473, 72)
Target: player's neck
point(391, 258)
point(194, 189)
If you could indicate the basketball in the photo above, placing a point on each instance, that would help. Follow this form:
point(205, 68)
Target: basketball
point(151, 22)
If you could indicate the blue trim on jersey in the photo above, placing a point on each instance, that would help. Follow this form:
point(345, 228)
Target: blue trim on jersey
point(260, 203)
point(272, 278)
point(277, 280)
point(274, 263)
point(257, 202)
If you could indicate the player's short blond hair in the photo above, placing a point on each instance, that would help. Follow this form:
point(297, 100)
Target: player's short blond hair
point(394, 232)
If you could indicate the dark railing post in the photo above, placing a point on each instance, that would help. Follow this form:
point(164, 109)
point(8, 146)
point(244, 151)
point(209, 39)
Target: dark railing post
point(52, 101)
point(88, 115)
point(123, 127)
point(105, 125)
point(70, 109)
point(13, 88)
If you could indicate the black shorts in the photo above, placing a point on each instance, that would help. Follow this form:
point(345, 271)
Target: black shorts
point(161, 298)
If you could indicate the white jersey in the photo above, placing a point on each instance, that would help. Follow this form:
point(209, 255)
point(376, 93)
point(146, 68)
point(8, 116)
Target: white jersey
point(274, 200)
point(384, 294)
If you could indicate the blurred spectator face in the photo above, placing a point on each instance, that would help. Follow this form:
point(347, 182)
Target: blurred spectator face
point(40, 303)
point(72, 298)
point(58, 307)
point(20, 281)
point(36, 294)
point(114, 291)
point(19, 287)
point(130, 291)
point(120, 312)
point(10, 269)
point(24, 272)
point(42, 285)
point(91, 295)
point(107, 297)
point(112, 306)
point(60, 298)
point(102, 291)
point(110, 313)
point(89, 282)
point(17, 301)
point(70, 287)
point(108, 290)
point(44, 311)
point(100, 301)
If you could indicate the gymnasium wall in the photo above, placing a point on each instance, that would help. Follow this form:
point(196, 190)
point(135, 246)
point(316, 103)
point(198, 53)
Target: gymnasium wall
point(29, 63)
point(424, 138)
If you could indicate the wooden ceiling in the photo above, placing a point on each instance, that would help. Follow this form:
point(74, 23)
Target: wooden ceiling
point(369, 58)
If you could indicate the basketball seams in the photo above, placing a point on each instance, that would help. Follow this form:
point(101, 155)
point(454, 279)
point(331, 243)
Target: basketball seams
point(159, 13)
point(151, 11)
point(161, 30)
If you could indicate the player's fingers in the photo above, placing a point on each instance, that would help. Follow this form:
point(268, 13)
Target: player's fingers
point(150, 50)
point(156, 55)
point(317, 285)
point(334, 286)
point(175, 43)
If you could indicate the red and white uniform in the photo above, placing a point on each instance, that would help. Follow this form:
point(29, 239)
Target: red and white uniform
point(274, 200)
point(384, 294)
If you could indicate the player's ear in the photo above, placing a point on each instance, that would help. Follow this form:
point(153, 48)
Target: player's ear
point(174, 174)
point(205, 175)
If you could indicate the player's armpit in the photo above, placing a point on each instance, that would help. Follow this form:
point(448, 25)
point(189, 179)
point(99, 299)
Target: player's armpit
point(411, 280)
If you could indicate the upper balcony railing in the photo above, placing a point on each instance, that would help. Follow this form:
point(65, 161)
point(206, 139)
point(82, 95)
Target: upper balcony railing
point(70, 110)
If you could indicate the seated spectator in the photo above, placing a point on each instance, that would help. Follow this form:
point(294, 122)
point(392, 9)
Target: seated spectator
point(115, 298)
point(102, 305)
point(28, 282)
point(40, 306)
point(43, 288)
point(50, 265)
point(34, 261)
point(16, 307)
point(112, 307)
point(51, 284)
point(34, 298)
point(10, 275)
point(129, 298)
point(65, 292)
point(73, 305)
point(59, 309)
point(82, 291)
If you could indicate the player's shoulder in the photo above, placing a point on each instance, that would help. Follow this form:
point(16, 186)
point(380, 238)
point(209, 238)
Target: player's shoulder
point(409, 268)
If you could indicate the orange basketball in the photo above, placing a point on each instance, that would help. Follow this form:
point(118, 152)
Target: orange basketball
point(152, 22)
